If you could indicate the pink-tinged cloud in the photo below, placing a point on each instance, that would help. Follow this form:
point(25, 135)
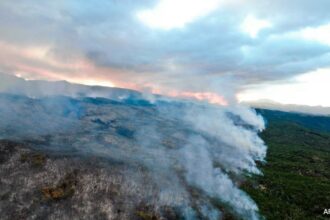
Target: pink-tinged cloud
point(106, 43)
point(35, 63)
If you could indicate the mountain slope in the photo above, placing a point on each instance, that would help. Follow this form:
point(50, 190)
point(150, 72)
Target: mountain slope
point(39, 88)
point(317, 123)
point(165, 158)
point(296, 179)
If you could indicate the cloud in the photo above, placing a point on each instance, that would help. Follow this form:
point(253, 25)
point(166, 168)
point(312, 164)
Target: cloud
point(252, 25)
point(168, 14)
point(208, 48)
point(306, 89)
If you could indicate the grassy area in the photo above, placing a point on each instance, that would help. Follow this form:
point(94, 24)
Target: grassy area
point(296, 180)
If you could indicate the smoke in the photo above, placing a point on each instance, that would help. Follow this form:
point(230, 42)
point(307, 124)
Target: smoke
point(195, 153)
point(201, 172)
point(223, 145)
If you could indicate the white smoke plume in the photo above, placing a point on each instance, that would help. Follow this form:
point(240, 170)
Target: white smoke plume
point(184, 145)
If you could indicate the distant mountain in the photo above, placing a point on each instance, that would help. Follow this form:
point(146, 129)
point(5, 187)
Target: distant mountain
point(313, 122)
point(271, 105)
point(38, 88)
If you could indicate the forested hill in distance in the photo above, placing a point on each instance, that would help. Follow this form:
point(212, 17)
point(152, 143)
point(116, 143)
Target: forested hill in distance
point(296, 177)
point(318, 123)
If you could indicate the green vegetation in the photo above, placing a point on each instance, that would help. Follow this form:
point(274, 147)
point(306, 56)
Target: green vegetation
point(296, 180)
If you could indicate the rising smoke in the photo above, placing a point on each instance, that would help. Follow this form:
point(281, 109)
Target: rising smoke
point(185, 146)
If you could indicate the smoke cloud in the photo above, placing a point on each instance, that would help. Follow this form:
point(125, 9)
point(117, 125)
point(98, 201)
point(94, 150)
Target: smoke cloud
point(185, 146)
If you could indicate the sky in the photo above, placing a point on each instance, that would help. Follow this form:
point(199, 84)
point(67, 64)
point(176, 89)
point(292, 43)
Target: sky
point(219, 50)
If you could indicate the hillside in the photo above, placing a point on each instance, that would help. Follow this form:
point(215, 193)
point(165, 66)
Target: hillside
point(97, 158)
point(296, 179)
point(318, 123)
